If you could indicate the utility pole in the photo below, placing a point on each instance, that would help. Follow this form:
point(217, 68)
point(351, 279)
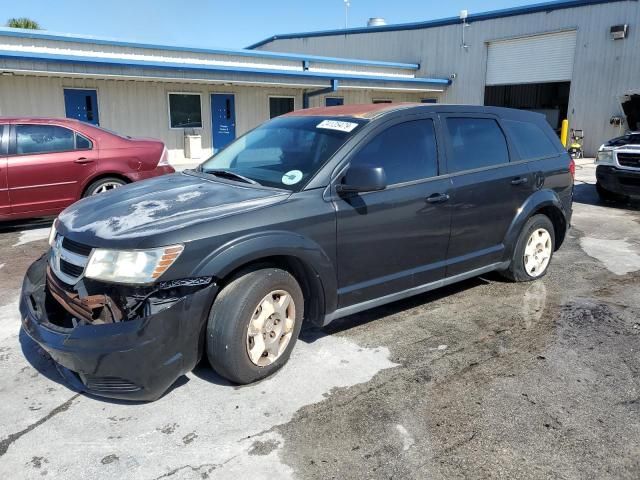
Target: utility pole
point(347, 4)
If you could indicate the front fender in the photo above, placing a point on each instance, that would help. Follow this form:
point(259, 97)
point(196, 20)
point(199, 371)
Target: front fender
point(540, 199)
point(241, 251)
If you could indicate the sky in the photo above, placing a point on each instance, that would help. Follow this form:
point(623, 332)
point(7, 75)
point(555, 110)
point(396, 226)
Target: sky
point(227, 24)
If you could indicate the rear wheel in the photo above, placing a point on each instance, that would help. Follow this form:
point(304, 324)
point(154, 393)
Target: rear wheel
point(533, 250)
point(104, 185)
point(254, 324)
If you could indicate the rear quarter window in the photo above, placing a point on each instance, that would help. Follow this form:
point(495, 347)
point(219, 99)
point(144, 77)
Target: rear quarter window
point(529, 139)
point(82, 142)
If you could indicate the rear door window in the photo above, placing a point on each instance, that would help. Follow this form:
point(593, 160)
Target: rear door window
point(529, 139)
point(32, 139)
point(476, 143)
point(406, 151)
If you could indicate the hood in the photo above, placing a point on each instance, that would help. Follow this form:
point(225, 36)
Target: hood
point(630, 103)
point(160, 205)
point(631, 139)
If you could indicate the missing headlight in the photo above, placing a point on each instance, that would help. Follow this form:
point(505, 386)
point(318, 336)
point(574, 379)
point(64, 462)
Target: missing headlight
point(97, 303)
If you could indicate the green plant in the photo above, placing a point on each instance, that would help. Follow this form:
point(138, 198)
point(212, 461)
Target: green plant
point(23, 23)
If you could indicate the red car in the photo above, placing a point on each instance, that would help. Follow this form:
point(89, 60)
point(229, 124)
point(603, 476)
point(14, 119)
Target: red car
point(46, 164)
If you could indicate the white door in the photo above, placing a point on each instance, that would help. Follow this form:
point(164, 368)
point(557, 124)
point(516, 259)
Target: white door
point(534, 59)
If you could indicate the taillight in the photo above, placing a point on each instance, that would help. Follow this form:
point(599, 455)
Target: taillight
point(572, 168)
point(164, 158)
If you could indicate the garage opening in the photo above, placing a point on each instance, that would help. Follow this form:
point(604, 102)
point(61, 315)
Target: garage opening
point(550, 99)
point(532, 73)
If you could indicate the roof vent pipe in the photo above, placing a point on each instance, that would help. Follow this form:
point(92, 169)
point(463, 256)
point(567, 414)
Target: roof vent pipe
point(376, 22)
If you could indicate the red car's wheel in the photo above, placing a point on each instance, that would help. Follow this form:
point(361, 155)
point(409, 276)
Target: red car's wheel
point(104, 185)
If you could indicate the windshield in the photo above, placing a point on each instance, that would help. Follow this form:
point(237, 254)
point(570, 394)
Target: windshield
point(283, 153)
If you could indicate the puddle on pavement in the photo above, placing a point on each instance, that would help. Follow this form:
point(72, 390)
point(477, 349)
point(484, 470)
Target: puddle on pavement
point(618, 256)
point(28, 236)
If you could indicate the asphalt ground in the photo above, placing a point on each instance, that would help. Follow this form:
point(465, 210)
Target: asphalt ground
point(484, 379)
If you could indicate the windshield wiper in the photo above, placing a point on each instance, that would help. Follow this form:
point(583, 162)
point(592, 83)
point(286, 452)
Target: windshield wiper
point(231, 175)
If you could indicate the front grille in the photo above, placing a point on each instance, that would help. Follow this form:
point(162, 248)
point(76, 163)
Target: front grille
point(76, 247)
point(626, 159)
point(110, 384)
point(70, 269)
point(68, 259)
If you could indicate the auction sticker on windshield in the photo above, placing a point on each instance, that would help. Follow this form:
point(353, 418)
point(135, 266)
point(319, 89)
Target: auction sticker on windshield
point(292, 177)
point(337, 125)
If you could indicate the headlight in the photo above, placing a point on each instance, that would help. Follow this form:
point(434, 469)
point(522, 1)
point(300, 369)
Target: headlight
point(131, 266)
point(605, 157)
point(53, 233)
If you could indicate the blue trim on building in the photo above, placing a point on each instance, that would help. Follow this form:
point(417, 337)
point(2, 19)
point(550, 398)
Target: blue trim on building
point(474, 17)
point(75, 59)
point(64, 37)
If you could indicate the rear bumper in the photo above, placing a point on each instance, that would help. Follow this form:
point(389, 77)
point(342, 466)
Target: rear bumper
point(617, 180)
point(132, 360)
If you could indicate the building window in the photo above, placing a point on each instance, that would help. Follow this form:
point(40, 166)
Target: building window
point(429, 100)
point(280, 105)
point(333, 101)
point(381, 100)
point(185, 110)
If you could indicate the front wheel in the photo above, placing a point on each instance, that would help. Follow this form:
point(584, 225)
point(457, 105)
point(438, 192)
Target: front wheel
point(533, 250)
point(254, 324)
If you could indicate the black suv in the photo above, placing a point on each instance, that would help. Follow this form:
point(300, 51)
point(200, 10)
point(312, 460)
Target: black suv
point(310, 217)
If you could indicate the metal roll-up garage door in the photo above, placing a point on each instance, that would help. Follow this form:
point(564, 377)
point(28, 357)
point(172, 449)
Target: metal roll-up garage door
point(535, 59)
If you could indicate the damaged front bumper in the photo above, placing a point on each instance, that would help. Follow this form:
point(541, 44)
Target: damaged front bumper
point(106, 347)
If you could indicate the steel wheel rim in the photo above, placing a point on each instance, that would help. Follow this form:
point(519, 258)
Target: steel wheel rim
point(270, 328)
point(106, 187)
point(537, 252)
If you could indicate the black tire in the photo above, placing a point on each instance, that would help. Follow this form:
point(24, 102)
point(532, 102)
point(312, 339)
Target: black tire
point(609, 196)
point(95, 186)
point(517, 271)
point(229, 320)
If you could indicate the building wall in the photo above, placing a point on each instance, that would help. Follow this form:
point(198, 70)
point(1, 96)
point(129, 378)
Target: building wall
point(603, 68)
point(140, 108)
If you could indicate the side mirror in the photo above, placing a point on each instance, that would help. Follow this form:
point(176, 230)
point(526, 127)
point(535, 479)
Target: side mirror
point(363, 178)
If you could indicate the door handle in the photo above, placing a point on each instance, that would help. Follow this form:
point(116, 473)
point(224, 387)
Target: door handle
point(519, 181)
point(83, 160)
point(437, 198)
